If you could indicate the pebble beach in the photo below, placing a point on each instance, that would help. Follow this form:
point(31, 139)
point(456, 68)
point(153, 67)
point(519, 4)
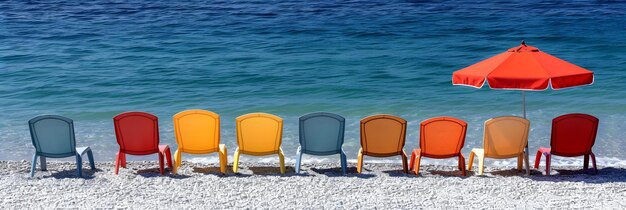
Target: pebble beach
point(318, 186)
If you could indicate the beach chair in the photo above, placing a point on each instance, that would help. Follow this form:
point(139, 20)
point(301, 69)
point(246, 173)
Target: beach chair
point(53, 137)
point(137, 133)
point(259, 134)
point(573, 135)
point(321, 134)
point(198, 132)
point(440, 137)
point(504, 137)
point(382, 136)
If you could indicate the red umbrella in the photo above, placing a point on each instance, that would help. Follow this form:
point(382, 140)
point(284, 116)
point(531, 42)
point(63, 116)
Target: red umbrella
point(523, 68)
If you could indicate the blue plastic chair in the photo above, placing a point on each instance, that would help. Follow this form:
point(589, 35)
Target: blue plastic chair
point(321, 134)
point(53, 137)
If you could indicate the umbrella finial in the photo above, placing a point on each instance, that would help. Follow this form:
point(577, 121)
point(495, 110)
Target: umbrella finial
point(524, 43)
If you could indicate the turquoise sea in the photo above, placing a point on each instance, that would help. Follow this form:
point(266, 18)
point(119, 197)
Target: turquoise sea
point(91, 60)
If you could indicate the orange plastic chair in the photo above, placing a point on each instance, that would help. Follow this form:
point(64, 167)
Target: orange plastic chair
point(573, 135)
point(504, 137)
point(382, 136)
point(440, 137)
point(198, 132)
point(259, 134)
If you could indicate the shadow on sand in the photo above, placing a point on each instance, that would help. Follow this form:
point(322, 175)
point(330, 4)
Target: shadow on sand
point(213, 171)
point(153, 172)
point(398, 173)
point(511, 172)
point(604, 175)
point(336, 172)
point(71, 174)
point(269, 171)
point(456, 173)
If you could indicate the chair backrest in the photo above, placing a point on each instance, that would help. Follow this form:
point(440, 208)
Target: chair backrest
point(197, 131)
point(442, 136)
point(53, 136)
point(259, 133)
point(383, 135)
point(137, 133)
point(573, 134)
point(321, 133)
point(505, 137)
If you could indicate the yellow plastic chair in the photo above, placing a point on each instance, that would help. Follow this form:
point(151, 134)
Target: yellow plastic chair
point(504, 137)
point(259, 134)
point(198, 132)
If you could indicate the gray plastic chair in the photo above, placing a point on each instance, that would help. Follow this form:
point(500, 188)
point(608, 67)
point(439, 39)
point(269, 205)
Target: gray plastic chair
point(53, 137)
point(321, 134)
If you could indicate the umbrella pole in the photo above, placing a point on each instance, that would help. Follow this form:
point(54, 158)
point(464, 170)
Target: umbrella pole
point(524, 103)
point(527, 150)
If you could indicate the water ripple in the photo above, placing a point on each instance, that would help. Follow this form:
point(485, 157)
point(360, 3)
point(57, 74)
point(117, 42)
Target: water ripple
point(90, 60)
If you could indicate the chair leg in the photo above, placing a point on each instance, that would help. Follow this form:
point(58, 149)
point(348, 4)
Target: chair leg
point(359, 161)
point(298, 159)
point(527, 163)
point(344, 163)
point(416, 164)
point(462, 164)
point(177, 161)
point(593, 161)
point(123, 160)
point(414, 154)
point(168, 157)
point(481, 165)
point(33, 165)
point(79, 165)
point(223, 158)
point(538, 159)
point(586, 162)
point(548, 162)
point(236, 160)
point(471, 161)
point(44, 165)
point(161, 164)
point(520, 162)
point(281, 157)
point(118, 162)
point(405, 165)
point(92, 162)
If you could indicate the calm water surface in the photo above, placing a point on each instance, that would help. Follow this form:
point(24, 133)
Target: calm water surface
point(92, 60)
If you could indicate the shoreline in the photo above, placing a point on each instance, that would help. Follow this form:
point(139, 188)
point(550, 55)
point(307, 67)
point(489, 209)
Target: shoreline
point(317, 186)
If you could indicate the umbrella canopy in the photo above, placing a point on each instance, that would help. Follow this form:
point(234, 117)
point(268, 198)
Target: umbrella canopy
point(523, 68)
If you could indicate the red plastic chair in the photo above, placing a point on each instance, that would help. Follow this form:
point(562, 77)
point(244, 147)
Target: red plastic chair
point(138, 134)
point(573, 135)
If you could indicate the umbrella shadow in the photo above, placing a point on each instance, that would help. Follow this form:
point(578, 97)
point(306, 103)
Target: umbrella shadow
point(604, 175)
